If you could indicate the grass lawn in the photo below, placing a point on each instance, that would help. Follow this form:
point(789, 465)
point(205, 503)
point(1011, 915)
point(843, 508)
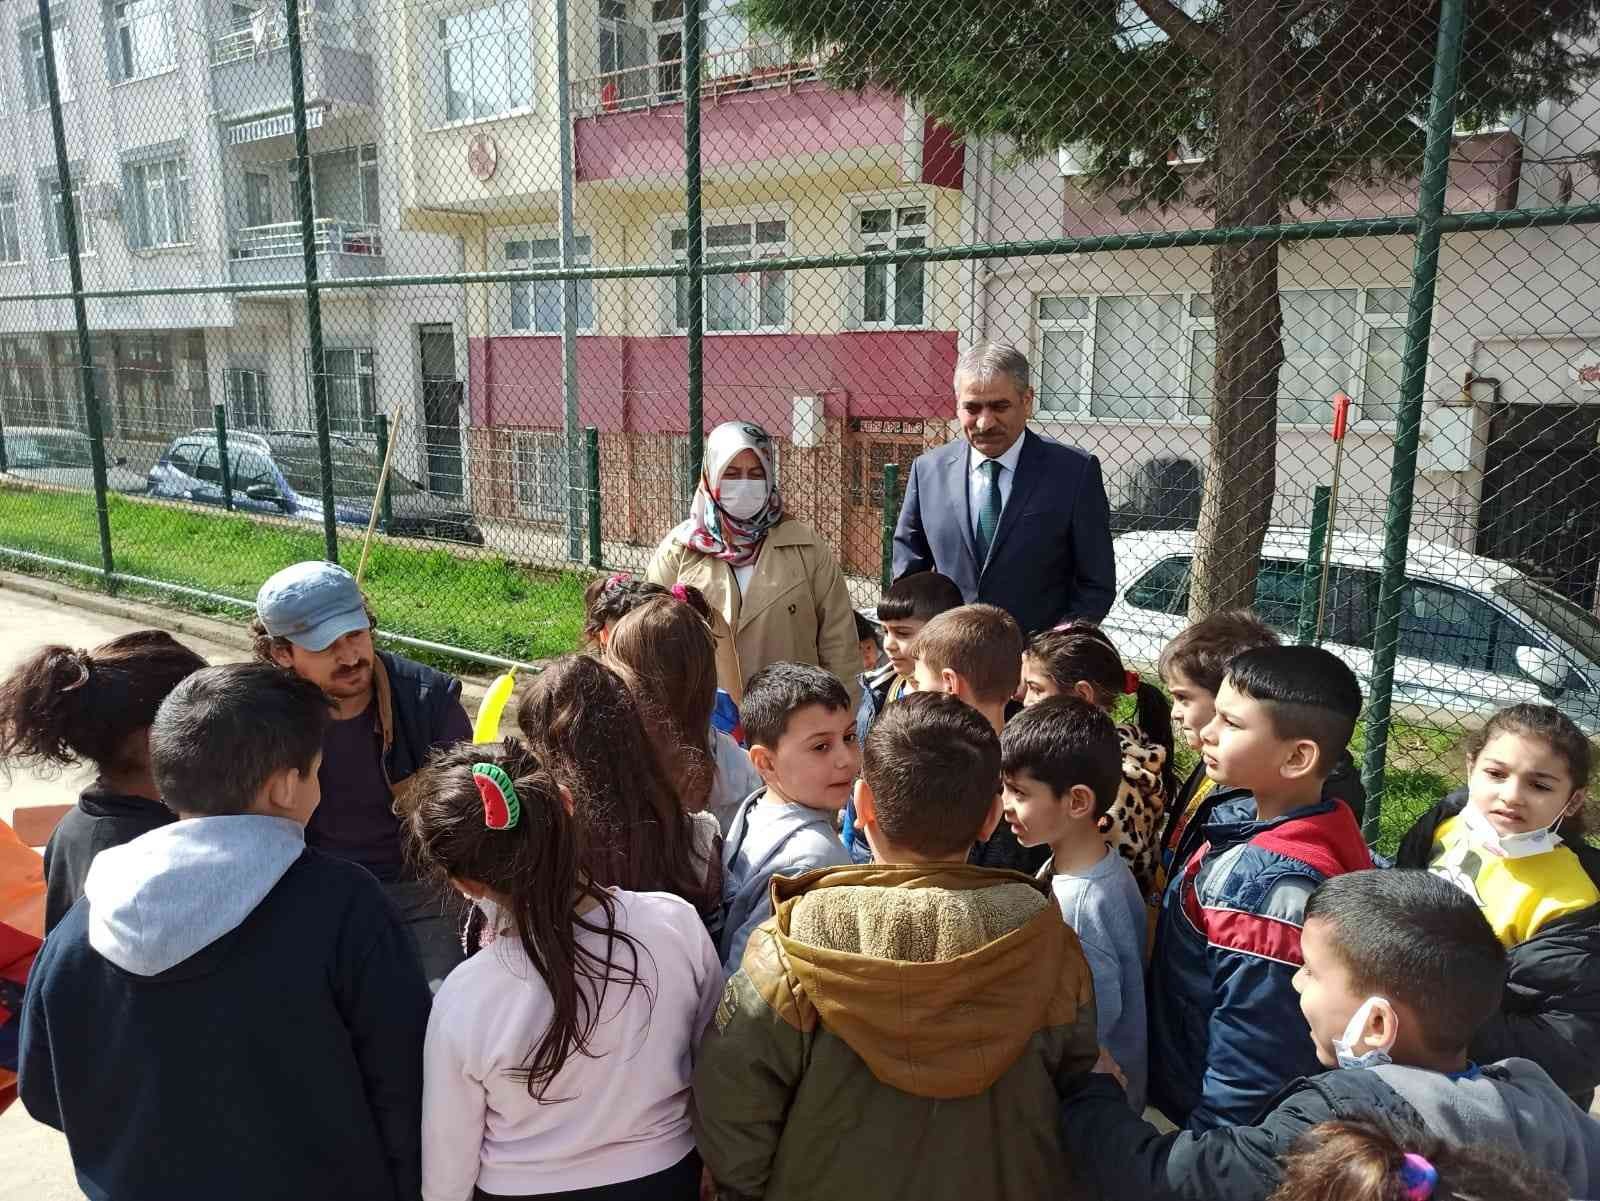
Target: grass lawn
point(484, 604)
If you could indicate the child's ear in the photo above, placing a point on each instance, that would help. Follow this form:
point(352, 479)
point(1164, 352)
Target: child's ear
point(1084, 691)
point(951, 682)
point(1575, 804)
point(1080, 801)
point(997, 810)
point(278, 793)
point(761, 759)
point(567, 802)
point(469, 887)
point(866, 805)
point(1303, 760)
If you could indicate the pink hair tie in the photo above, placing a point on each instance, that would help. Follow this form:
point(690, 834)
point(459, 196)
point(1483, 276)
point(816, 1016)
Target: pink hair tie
point(620, 577)
point(1418, 1177)
point(1130, 682)
point(679, 591)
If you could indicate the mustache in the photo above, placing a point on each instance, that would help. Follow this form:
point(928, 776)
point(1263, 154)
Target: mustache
point(353, 670)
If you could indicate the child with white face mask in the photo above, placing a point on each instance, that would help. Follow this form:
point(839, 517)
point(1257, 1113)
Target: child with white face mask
point(1513, 842)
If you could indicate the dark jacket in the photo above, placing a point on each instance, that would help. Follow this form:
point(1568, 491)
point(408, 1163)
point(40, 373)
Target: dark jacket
point(1051, 558)
point(1550, 1012)
point(102, 819)
point(418, 709)
point(1226, 1031)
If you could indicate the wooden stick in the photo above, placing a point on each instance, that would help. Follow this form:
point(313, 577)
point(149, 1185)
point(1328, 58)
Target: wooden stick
point(377, 499)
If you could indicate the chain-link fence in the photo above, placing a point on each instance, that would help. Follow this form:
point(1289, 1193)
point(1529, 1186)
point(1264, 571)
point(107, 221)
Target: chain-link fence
point(529, 252)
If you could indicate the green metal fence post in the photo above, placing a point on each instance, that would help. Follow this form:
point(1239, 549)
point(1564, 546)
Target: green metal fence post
point(3, 464)
point(891, 517)
point(380, 426)
point(80, 315)
point(1413, 366)
point(219, 422)
point(694, 247)
point(308, 253)
point(1311, 582)
point(591, 448)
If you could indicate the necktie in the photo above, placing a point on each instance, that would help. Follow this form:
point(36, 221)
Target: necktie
point(988, 508)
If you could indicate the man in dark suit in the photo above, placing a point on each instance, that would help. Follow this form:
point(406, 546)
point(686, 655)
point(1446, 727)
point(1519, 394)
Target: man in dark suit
point(1015, 519)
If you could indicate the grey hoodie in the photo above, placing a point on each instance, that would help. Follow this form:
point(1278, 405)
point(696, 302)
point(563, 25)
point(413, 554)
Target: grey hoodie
point(168, 894)
point(1511, 1104)
point(765, 841)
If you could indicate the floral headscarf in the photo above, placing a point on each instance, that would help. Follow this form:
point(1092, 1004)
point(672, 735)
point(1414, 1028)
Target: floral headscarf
point(709, 529)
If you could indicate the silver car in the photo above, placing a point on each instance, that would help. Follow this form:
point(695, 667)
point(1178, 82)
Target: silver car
point(60, 457)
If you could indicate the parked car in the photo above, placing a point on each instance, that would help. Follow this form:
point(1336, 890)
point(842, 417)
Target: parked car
point(49, 455)
point(1475, 633)
point(279, 472)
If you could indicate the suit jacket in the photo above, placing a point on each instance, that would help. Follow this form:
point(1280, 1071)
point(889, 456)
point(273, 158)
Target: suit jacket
point(1051, 558)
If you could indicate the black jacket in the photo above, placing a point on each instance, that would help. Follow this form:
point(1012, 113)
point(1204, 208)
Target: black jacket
point(418, 709)
point(102, 819)
point(284, 1060)
point(1121, 1157)
point(1550, 1012)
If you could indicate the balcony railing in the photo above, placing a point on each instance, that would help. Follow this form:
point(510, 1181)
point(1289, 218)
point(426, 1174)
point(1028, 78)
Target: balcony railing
point(283, 239)
point(741, 69)
point(256, 38)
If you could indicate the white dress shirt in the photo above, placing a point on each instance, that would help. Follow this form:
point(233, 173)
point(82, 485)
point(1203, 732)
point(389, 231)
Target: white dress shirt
point(976, 483)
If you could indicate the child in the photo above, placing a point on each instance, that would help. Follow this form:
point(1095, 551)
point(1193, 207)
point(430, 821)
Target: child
point(1062, 763)
point(911, 603)
point(902, 1031)
point(975, 654)
point(867, 642)
point(581, 720)
point(1225, 1031)
point(228, 1012)
point(663, 651)
point(62, 707)
point(1513, 842)
point(608, 599)
point(558, 1057)
point(1400, 971)
point(803, 742)
point(1079, 660)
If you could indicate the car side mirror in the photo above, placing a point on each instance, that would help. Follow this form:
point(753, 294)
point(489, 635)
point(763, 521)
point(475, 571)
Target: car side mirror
point(1544, 667)
point(263, 492)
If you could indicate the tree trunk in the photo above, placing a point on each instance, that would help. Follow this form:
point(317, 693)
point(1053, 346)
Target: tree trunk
point(1241, 475)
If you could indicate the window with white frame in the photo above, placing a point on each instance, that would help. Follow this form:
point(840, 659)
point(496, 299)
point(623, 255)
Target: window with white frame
point(38, 86)
point(892, 294)
point(55, 218)
point(352, 389)
point(1151, 357)
point(246, 391)
point(10, 223)
point(540, 464)
point(742, 301)
point(143, 40)
point(487, 60)
point(156, 205)
point(535, 305)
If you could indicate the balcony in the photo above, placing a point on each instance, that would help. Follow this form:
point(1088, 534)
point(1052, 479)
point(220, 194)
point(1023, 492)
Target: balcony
point(250, 64)
point(261, 254)
point(747, 68)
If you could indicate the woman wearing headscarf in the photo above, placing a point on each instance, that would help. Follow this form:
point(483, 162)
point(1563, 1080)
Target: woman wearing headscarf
point(774, 581)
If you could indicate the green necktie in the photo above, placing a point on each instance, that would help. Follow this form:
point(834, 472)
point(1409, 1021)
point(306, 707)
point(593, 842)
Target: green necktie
point(989, 509)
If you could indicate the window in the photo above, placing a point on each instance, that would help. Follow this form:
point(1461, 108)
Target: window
point(24, 393)
point(1151, 357)
point(10, 227)
point(352, 390)
point(535, 305)
point(250, 468)
point(38, 86)
point(55, 218)
point(892, 294)
point(246, 391)
point(541, 476)
point(257, 199)
point(867, 461)
point(744, 301)
point(145, 383)
point(344, 184)
point(488, 61)
point(157, 203)
point(1448, 626)
point(624, 54)
point(143, 38)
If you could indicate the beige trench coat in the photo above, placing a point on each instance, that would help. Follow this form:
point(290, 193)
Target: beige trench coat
point(798, 608)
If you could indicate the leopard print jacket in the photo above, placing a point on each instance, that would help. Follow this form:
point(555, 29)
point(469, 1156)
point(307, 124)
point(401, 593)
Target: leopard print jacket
point(1132, 826)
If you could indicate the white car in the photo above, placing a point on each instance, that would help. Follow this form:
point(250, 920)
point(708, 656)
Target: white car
point(1475, 634)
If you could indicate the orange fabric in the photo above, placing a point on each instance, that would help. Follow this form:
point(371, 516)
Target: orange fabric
point(21, 885)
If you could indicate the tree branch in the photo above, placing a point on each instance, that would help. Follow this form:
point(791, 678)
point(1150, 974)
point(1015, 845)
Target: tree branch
point(1195, 38)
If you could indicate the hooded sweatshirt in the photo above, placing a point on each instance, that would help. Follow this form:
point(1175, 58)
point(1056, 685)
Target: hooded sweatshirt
point(765, 840)
point(897, 1032)
point(221, 981)
point(101, 819)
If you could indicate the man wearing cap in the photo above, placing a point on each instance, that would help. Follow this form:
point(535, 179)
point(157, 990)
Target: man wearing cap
point(389, 712)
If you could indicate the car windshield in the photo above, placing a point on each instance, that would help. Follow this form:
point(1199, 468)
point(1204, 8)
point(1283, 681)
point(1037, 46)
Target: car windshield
point(46, 450)
point(355, 473)
point(1547, 606)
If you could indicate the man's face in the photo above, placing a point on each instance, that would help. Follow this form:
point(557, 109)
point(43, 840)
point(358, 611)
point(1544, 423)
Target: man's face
point(816, 761)
point(343, 669)
point(1193, 707)
point(1240, 745)
point(1327, 998)
point(992, 414)
point(897, 636)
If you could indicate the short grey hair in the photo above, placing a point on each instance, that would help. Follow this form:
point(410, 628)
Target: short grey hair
point(983, 361)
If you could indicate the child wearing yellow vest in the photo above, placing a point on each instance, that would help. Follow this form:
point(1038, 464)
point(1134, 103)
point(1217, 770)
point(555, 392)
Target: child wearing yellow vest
point(1513, 842)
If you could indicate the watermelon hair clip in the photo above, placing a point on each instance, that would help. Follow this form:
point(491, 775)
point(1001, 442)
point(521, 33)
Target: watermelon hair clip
point(501, 809)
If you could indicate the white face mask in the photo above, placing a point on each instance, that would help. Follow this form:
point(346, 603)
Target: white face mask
point(1509, 846)
point(1344, 1048)
point(743, 499)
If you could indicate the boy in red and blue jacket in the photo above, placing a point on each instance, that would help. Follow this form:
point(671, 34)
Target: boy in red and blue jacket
point(1226, 1031)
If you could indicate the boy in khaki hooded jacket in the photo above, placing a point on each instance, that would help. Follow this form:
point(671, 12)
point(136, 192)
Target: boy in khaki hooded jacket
point(904, 1028)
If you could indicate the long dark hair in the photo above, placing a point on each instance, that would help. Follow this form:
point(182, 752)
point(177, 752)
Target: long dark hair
point(664, 651)
point(536, 867)
point(61, 706)
point(1080, 650)
point(608, 599)
point(580, 717)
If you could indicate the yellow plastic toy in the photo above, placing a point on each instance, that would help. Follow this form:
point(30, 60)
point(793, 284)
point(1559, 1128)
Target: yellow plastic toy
point(493, 707)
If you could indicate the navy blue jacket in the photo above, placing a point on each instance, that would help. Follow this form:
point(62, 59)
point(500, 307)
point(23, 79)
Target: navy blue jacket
point(424, 712)
point(1051, 559)
point(283, 1060)
point(101, 819)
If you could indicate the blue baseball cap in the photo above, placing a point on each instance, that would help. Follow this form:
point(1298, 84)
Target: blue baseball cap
point(312, 604)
